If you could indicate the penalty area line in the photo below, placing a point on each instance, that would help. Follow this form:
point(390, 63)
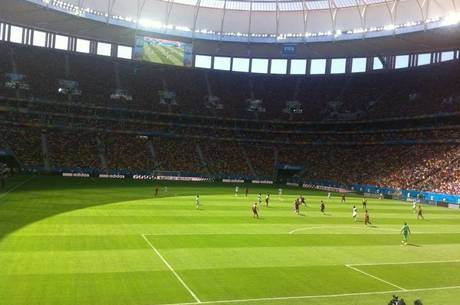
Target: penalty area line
point(172, 269)
point(320, 296)
point(375, 277)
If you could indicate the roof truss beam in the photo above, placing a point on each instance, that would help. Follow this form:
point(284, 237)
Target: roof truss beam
point(169, 8)
point(222, 22)
point(110, 6)
point(140, 7)
point(195, 16)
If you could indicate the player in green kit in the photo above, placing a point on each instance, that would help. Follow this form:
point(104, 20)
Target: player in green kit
point(405, 231)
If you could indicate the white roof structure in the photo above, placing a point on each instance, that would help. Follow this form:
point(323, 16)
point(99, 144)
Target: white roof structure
point(281, 21)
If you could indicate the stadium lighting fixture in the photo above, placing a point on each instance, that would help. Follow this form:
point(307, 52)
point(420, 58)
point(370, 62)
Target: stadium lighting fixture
point(389, 27)
point(16, 81)
point(451, 19)
point(358, 31)
point(68, 87)
point(150, 23)
point(121, 95)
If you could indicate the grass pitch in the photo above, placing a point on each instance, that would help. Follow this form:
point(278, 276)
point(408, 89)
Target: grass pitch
point(164, 55)
point(71, 241)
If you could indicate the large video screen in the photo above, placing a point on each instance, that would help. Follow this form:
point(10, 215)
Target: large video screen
point(163, 51)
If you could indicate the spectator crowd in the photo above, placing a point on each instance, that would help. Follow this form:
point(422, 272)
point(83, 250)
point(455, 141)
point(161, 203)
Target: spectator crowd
point(402, 128)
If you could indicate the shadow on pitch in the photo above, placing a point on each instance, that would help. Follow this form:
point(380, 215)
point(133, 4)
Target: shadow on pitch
point(30, 202)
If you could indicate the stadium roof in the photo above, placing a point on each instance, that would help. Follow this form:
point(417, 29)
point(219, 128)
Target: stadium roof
point(268, 20)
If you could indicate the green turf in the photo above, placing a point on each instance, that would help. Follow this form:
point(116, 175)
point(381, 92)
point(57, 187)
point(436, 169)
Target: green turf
point(77, 241)
point(164, 55)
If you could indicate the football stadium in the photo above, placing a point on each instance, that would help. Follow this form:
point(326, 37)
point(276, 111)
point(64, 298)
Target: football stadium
point(229, 152)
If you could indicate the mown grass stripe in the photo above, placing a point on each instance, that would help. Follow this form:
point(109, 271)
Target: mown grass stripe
point(375, 277)
point(77, 241)
point(340, 295)
point(171, 269)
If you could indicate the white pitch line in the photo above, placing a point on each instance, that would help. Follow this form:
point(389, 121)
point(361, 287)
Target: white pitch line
point(404, 263)
point(172, 270)
point(17, 186)
point(375, 277)
point(321, 296)
point(309, 228)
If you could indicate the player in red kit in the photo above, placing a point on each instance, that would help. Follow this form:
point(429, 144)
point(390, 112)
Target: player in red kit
point(322, 207)
point(420, 212)
point(297, 206)
point(255, 214)
point(366, 218)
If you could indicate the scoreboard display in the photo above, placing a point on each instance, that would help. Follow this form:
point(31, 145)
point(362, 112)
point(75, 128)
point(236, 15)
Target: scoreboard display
point(170, 52)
